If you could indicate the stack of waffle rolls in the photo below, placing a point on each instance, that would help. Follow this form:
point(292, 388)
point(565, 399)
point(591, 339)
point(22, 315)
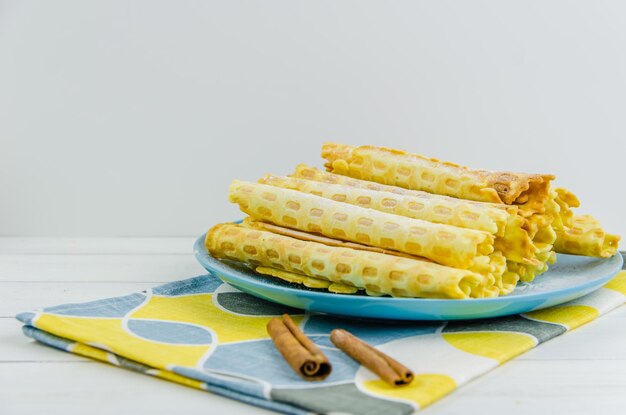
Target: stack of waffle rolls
point(444, 244)
point(393, 223)
point(525, 256)
point(548, 210)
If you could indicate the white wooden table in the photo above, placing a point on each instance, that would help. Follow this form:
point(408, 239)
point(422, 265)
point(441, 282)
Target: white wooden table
point(578, 373)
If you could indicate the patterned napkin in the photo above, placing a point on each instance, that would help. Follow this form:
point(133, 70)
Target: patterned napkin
point(207, 335)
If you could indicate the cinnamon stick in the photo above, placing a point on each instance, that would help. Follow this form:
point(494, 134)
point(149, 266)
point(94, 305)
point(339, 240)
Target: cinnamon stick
point(390, 370)
point(304, 357)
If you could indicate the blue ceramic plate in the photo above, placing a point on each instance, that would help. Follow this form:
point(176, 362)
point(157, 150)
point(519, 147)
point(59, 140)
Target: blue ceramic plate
point(571, 277)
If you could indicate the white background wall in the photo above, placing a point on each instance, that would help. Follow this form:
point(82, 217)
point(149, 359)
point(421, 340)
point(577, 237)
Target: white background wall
point(131, 117)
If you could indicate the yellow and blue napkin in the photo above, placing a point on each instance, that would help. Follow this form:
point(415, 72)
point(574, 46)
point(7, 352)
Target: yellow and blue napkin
point(207, 335)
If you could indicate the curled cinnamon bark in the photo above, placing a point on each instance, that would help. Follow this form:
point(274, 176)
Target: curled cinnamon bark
point(304, 357)
point(390, 370)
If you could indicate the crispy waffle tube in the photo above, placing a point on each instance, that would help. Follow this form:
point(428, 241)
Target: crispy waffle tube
point(311, 173)
point(379, 273)
point(511, 239)
point(586, 237)
point(425, 206)
point(314, 237)
point(491, 266)
point(413, 171)
point(444, 244)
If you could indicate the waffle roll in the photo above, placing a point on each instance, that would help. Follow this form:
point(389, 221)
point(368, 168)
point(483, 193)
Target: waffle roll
point(491, 266)
point(306, 236)
point(311, 173)
point(413, 171)
point(303, 171)
point(444, 244)
point(372, 271)
point(511, 238)
point(586, 237)
point(424, 206)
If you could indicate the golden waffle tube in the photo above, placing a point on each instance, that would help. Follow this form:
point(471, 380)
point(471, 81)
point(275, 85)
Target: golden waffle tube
point(311, 173)
point(511, 238)
point(380, 273)
point(413, 171)
point(491, 266)
point(444, 244)
point(424, 206)
point(314, 237)
point(586, 237)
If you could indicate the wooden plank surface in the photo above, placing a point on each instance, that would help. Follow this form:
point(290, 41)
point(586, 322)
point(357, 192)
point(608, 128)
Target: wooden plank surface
point(519, 387)
point(15, 347)
point(98, 268)
point(65, 246)
point(542, 387)
point(96, 388)
point(25, 296)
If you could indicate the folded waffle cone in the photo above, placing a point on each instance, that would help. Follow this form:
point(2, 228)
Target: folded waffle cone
point(444, 244)
point(379, 273)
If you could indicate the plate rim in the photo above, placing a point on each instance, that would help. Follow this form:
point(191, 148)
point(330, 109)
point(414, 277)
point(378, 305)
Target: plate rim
point(202, 254)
